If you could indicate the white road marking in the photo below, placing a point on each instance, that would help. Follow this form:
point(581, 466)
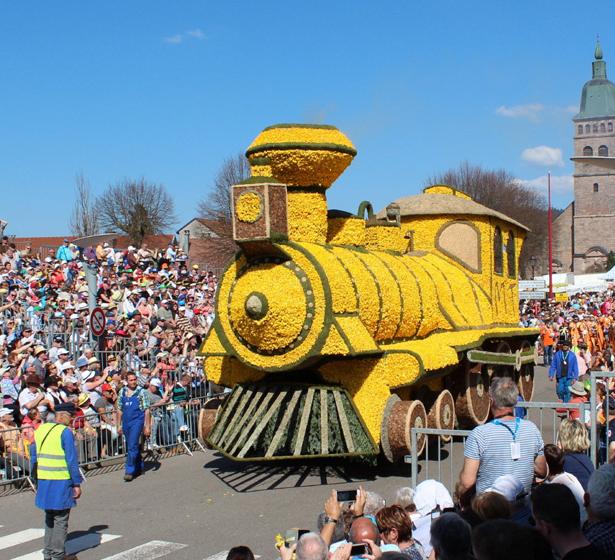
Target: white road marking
point(73, 546)
point(223, 554)
point(151, 549)
point(20, 537)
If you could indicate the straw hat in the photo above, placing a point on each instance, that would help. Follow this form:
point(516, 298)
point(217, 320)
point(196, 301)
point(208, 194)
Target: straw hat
point(83, 398)
point(577, 388)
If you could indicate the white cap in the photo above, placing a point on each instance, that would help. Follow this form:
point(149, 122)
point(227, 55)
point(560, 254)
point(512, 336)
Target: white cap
point(63, 351)
point(507, 485)
point(155, 381)
point(429, 495)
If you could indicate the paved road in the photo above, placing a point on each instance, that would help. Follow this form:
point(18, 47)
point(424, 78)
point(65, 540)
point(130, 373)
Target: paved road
point(197, 507)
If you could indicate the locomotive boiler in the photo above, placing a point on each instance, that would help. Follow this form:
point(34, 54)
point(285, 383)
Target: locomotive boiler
point(339, 332)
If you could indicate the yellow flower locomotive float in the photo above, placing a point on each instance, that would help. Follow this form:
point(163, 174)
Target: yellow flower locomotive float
point(339, 332)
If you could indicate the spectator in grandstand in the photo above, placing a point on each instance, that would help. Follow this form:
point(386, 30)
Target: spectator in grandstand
point(180, 395)
point(555, 462)
point(240, 553)
point(558, 519)
point(157, 400)
point(491, 505)
point(507, 445)
point(431, 498)
point(310, 547)
point(395, 528)
point(502, 539)
point(564, 370)
point(573, 440)
point(451, 538)
point(134, 421)
point(512, 489)
point(32, 396)
point(13, 455)
point(600, 503)
point(608, 409)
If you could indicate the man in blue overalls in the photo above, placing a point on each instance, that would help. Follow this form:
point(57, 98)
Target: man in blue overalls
point(565, 369)
point(59, 480)
point(133, 406)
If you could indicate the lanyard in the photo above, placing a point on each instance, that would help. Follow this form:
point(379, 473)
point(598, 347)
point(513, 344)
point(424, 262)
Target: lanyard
point(513, 434)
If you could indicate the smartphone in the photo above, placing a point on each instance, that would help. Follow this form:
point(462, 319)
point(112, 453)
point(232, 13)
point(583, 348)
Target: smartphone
point(346, 495)
point(359, 549)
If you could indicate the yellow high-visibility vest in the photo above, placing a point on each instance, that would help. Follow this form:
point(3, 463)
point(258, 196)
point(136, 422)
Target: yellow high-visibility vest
point(51, 460)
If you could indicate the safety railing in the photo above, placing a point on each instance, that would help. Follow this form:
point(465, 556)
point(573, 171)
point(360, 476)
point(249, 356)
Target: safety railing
point(443, 451)
point(600, 413)
point(15, 455)
point(99, 440)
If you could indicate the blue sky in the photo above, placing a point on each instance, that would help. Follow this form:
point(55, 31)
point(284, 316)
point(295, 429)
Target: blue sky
point(168, 89)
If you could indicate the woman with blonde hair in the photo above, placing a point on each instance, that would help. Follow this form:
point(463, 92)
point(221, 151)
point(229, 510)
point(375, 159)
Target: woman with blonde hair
point(573, 440)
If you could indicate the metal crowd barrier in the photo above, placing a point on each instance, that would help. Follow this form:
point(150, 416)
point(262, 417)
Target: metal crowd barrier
point(15, 455)
point(446, 457)
point(98, 440)
point(599, 434)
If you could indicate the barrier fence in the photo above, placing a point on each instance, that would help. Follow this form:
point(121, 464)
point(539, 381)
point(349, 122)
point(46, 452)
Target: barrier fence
point(98, 438)
point(599, 434)
point(443, 451)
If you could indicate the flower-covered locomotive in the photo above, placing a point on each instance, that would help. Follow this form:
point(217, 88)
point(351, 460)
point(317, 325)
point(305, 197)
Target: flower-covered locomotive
point(340, 332)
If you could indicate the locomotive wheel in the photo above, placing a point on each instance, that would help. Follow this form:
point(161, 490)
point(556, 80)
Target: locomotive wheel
point(442, 413)
point(526, 376)
point(399, 418)
point(472, 404)
point(207, 417)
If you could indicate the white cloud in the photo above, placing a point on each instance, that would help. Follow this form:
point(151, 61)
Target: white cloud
point(529, 111)
point(560, 184)
point(543, 155)
point(196, 34)
point(571, 109)
point(173, 39)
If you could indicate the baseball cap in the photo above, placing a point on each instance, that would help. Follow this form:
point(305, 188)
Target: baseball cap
point(155, 381)
point(106, 387)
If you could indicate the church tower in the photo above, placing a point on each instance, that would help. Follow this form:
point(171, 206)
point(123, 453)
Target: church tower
point(593, 210)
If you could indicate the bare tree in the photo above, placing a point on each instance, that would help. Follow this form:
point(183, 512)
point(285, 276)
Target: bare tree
point(499, 190)
point(84, 219)
point(136, 208)
point(217, 203)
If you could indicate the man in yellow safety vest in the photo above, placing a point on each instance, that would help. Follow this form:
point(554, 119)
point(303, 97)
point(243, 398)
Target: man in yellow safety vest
point(54, 456)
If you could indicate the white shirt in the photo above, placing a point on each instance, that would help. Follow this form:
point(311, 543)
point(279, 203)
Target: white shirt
point(572, 482)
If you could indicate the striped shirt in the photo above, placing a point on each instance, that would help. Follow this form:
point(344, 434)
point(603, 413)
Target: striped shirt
point(490, 444)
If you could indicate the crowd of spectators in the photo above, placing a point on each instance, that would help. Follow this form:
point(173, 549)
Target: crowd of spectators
point(516, 499)
point(577, 337)
point(157, 311)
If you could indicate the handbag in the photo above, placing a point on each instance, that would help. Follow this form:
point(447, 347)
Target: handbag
point(34, 471)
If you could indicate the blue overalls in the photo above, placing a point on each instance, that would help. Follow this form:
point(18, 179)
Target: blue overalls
point(133, 419)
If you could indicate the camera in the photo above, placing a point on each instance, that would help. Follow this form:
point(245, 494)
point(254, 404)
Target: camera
point(292, 536)
point(359, 549)
point(346, 495)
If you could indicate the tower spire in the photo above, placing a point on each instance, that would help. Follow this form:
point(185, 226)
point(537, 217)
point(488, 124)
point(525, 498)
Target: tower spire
point(598, 65)
point(598, 50)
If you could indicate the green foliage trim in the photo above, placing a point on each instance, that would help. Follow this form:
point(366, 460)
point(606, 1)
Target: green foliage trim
point(303, 125)
point(302, 146)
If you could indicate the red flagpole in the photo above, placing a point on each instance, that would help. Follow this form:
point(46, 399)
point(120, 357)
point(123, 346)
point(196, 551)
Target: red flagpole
point(550, 235)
